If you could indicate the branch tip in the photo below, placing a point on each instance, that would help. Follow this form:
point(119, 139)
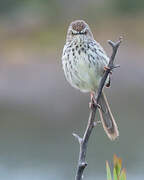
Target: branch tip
point(111, 43)
point(116, 66)
point(115, 45)
point(77, 137)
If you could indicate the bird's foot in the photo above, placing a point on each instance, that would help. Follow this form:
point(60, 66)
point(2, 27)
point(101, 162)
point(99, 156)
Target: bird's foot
point(107, 68)
point(93, 103)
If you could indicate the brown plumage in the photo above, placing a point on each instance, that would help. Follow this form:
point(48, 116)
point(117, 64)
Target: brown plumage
point(107, 118)
point(78, 25)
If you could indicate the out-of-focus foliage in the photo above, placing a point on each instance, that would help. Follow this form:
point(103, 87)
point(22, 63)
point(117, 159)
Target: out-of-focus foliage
point(65, 9)
point(130, 6)
point(39, 110)
point(118, 172)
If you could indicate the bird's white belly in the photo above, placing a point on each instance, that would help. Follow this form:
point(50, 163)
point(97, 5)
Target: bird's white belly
point(88, 75)
point(84, 66)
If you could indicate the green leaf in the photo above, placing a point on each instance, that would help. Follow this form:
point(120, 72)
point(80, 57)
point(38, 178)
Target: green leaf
point(109, 177)
point(115, 176)
point(123, 175)
point(117, 164)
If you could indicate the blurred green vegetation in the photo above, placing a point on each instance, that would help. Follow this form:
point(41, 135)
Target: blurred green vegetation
point(119, 173)
point(32, 25)
point(58, 7)
point(130, 6)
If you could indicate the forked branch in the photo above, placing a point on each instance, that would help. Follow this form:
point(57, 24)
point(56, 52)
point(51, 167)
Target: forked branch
point(91, 121)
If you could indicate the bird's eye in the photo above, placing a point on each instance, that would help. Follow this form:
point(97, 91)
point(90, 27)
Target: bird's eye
point(72, 33)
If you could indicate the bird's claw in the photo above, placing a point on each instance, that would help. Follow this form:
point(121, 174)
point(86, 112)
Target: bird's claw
point(107, 68)
point(93, 103)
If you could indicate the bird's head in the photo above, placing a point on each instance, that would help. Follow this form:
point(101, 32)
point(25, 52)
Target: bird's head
point(78, 29)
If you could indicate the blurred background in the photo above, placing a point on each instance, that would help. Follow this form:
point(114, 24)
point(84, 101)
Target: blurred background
point(39, 110)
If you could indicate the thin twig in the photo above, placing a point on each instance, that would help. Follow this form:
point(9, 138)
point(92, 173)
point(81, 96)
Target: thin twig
point(91, 121)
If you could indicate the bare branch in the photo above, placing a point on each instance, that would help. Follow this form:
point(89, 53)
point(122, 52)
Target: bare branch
point(91, 123)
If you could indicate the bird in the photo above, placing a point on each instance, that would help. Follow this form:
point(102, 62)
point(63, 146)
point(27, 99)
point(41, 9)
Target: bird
point(84, 62)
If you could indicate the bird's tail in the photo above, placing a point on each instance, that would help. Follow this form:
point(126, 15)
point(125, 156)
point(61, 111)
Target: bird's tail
point(107, 118)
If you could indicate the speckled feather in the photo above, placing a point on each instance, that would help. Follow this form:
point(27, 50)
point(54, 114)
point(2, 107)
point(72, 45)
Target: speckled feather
point(83, 63)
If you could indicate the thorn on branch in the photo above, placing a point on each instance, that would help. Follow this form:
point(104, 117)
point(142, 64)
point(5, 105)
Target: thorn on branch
point(116, 66)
